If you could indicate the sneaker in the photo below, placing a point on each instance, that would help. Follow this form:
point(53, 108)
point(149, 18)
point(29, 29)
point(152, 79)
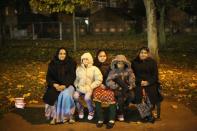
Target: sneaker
point(53, 122)
point(90, 115)
point(121, 118)
point(65, 120)
point(99, 124)
point(81, 115)
point(110, 124)
point(71, 120)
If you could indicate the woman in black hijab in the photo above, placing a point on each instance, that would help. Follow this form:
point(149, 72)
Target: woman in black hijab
point(147, 83)
point(59, 94)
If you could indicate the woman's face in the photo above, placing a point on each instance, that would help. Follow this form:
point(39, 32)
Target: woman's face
point(62, 54)
point(102, 57)
point(143, 54)
point(85, 61)
point(120, 65)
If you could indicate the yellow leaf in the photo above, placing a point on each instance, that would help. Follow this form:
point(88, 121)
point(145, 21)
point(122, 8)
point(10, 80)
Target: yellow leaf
point(19, 86)
point(194, 78)
point(183, 90)
point(170, 72)
point(192, 85)
point(190, 96)
point(174, 106)
point(41, 72)
point(138, 122)
point(179, 73)
point(9, 96)
point(26, 95)
point(28, 75)
point(11, 99)
point(33, 102)
point(33, 77)
point(43, 80)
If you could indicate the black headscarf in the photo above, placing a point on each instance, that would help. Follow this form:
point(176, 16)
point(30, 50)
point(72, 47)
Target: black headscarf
point(62, 65)
point(104, 67)
point(56, 56)
point(60, 72)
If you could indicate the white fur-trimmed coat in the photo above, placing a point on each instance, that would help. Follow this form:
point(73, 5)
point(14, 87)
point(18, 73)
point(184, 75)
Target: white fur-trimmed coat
point(87, 78)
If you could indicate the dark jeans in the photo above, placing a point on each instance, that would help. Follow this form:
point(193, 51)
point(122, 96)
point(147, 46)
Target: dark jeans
point(99, 111)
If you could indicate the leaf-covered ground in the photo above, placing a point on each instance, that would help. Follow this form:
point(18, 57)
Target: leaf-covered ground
point(24, 63)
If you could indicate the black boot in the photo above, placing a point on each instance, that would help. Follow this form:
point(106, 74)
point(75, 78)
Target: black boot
point(99, 124)
point(110, 125)
point(150, 119)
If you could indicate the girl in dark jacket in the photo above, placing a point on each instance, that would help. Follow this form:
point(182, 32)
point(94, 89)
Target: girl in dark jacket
point(59, 94)
point(103, 94)
point(146, 74)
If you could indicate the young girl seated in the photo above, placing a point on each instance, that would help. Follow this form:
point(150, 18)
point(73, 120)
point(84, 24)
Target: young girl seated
point(104, 95)
point(88, 77)
point(121, 80)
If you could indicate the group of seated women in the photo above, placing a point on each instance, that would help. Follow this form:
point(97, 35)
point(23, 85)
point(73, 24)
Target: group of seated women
point(116, 83)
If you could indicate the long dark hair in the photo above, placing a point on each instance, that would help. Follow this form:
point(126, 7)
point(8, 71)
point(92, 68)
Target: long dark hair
point(56, 58)
point(96, 60)
point(142, 48)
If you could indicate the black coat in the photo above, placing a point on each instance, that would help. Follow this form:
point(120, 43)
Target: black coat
point(146, 70)
point(60, 72)
point(104, 68)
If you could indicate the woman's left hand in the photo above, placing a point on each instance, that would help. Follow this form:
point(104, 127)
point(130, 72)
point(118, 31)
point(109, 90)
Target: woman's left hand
point(144, 83)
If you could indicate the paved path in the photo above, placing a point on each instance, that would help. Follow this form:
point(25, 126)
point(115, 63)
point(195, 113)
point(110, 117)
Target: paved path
point(31, 119)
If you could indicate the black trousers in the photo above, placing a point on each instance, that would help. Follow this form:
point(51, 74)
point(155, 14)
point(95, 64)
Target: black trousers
point(99, 111)
point(123, 99)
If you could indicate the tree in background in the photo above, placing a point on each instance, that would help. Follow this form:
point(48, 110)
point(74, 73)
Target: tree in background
point(152, 28)
point(160, 6)
point(57, 6)
point(176, 15)
point(2, 21)
point(3, 5)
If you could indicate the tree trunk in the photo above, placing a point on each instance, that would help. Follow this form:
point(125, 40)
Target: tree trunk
point(60, 30)
point(2, 26)
point(162, 34)
point(151, 28)
point(74, 33)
